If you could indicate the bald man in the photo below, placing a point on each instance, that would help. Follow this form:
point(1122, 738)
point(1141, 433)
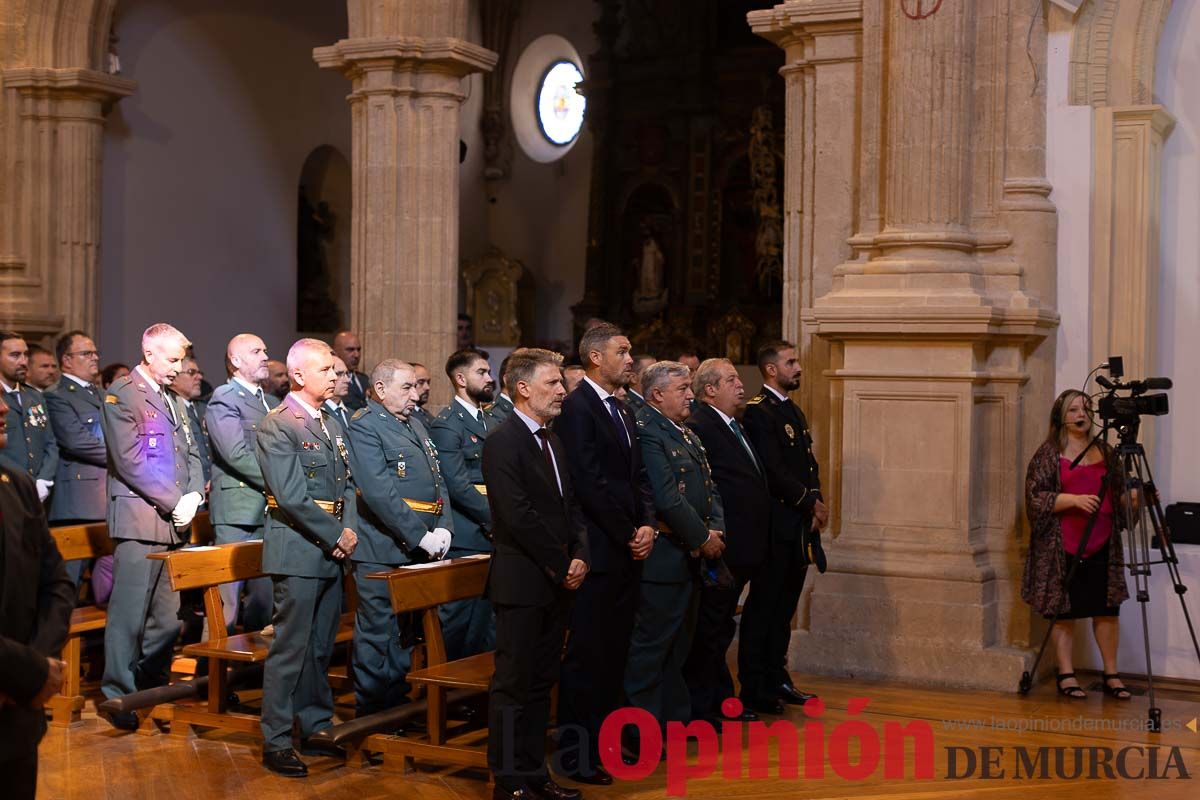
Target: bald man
point(238, 501)
point(348, 348)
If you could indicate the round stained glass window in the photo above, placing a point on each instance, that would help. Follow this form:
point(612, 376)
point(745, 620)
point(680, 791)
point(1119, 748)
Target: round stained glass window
point(560, 106)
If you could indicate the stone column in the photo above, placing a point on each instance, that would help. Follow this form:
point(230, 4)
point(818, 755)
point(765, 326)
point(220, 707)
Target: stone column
point(932, 322)
point(1125, 204)
point(52, 130)
point(406, 63)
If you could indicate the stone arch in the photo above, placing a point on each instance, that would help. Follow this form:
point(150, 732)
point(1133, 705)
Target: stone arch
point(1113, 51)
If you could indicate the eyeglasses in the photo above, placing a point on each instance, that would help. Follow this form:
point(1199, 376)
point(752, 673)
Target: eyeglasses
point(192, 372)
point(86, 354)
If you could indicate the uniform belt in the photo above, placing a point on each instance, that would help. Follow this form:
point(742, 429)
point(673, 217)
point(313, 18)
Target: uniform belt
point(481, 488)
point(424, 506)
point(334, 507)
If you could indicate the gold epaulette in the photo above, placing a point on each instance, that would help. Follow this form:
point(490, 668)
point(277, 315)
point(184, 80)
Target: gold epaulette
point(111, 399)
point(277, 409)
point(753, 401)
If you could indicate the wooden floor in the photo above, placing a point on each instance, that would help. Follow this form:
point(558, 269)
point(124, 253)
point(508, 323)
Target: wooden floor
point(93, 761)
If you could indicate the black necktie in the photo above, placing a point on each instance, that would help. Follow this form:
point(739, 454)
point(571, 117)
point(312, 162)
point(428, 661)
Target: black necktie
point(615, 413)
point(544, 436)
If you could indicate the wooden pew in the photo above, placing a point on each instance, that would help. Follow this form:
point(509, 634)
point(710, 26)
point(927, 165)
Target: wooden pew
point(422, 588)
point(207, 568)
point(79, 543)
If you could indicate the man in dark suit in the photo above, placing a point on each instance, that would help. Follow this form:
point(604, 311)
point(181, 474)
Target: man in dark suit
point(80, 494)
point(36, 600)
point(155, 486)
point(739, 476)
point(403, 507)
point(540, 560)
point(614, 493)
point(31, 447)
point(779, 433)
point(305, 461)
point(690, 523)
point(238, 499)
point(348, 348)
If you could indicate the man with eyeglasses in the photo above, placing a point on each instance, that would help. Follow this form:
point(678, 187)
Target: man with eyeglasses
point(80, 493)
point(189, 385)
point(31, 447)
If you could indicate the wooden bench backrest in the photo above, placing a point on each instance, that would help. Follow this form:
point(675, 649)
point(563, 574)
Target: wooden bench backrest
point(77, 542)
point(423, 588)
point(212, 565)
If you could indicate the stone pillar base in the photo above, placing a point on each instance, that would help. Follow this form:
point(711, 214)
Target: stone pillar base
point(921, 631)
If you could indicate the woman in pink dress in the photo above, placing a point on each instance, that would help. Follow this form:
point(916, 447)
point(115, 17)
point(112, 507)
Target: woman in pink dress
point(1059, 500)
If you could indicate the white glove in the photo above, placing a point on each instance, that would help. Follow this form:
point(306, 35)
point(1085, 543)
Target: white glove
point(185, 509)
point(436, 543)
point(43, 488)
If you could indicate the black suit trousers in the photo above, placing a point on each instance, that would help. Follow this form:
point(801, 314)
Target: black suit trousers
point(707, 671)
point(593, 670)
point(782, 585)
point(528, 650)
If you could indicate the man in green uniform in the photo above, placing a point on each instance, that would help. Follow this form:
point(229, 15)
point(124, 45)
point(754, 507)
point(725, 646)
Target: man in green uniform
point(690, 523)
point(305, 462)
point(459, 432)
point(403, 517)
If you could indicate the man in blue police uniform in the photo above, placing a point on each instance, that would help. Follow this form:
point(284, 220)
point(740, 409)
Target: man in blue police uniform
point(690, 523)
point(305, 461)
point(348, 347)
point(459, 432)
point(403, 517)
point(779, 432)
point(155, 486)
point(238, 499)
point(31, 447)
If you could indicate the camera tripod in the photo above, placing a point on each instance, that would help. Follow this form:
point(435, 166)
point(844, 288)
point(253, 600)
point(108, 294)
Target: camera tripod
point(1145, 525)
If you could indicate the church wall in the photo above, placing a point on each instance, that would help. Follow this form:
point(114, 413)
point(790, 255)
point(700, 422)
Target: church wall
point(1174, 439)
point(202, 165)
point(1177, 437)
point(539, 213)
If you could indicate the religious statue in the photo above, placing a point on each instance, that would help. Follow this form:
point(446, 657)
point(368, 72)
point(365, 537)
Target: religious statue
point(316, 310)
point(651, 294)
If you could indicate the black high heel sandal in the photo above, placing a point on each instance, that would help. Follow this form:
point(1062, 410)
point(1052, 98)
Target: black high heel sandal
point(1118, 692)
point(1073, 692)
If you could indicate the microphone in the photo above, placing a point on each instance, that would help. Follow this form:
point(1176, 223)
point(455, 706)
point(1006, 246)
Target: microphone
point(1105, 382)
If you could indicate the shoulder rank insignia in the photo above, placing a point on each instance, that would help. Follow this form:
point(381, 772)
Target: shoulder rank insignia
point(3, 478)
point(111, 399)
point(277, 409)
point(790, 431)
point(361, 412)
point(753, 401)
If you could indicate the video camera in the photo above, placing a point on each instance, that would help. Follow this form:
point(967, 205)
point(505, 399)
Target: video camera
point(1137, 403)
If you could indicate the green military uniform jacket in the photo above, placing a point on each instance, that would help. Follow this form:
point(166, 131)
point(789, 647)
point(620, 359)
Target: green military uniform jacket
point(403, 496)
point(501, 408)
point(80, 489)
point(459, 437)
point(685, 497)
point(152, 461)
point(307, 475)
point(31, 447)
point(239, 493)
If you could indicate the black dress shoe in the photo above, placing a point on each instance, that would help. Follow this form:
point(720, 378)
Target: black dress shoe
point(549, 790)
point(308, 747)
point(597, 776)
point(285, 763)
point(746, 716)
point(123, 720)
point(793, 696)
point(764, 705)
